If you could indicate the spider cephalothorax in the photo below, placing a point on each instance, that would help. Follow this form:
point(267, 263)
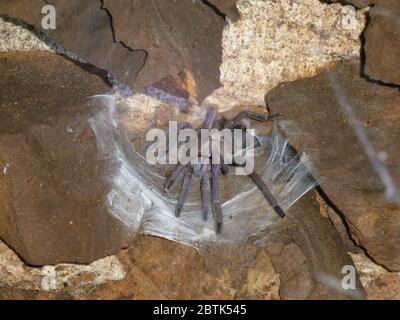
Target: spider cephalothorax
point(210, 171)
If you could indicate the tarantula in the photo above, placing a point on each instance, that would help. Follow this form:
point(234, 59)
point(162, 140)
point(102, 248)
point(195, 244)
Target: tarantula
point(210, 173)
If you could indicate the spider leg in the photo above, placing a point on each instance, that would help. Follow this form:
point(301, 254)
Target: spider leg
point(187, 181)
point(267, 194)
point(216, 196)
point(173, 177)
point(205, 194)
point(224, 167)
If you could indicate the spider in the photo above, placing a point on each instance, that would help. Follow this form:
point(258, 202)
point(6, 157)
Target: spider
point(210, 173)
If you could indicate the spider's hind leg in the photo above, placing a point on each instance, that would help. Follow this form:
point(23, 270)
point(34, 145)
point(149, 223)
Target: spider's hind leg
point(267, 194)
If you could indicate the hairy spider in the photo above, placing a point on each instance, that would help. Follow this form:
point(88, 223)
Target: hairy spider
point(210, 173)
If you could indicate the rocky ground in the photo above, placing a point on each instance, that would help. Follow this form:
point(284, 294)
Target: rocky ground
point(328, 68)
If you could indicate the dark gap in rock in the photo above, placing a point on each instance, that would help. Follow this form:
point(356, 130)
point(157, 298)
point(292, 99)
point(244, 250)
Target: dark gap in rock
point(90, 68)
point(342, 217)
point(115, 35)
point(362, 50)
point(214, 8)
point(363, 59)
point(114, 83)
point(26, 263)
point(345, 3)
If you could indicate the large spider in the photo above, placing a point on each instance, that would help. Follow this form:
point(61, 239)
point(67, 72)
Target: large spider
point(210, 173)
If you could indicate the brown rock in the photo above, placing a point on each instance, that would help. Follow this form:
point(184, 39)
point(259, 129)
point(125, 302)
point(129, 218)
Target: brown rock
point(382, 42)
point(301, 257)
point(309, 255)
point(52, 189)
point(84, 29)
point(379, 283)
point(177, 35)
point(317, 124)
point(294, 259)
point(226, 7)
point(139, 42)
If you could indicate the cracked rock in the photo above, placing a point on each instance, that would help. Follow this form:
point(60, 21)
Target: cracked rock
point(138, 42)
point(52, 188)
point(382, 42)
point(83, 29)
point(177, 35)
point(319, 125)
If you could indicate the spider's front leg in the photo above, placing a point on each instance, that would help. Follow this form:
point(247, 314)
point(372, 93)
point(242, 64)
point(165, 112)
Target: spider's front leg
point(187, 181)
point(205, 189)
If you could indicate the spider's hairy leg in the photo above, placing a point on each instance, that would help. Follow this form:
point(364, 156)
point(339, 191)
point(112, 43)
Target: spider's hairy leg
point(187, 181)
point(174, 176)
point(205, 193)
point(267, 194)
point(216, 196)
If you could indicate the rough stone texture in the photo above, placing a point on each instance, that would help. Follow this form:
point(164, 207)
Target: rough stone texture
point(177, 36)
point(92, 42)
point(309, 255)
point(68, 280)
point(382, 42)
point(278, 41)
point(379, 284)
point(285, 263)
point(317, 33)
point(227, 7)
point(138, 42)
point(356, 3)
point(53, 206)
point(318, 125)
point(16, 38)
point(256, 277)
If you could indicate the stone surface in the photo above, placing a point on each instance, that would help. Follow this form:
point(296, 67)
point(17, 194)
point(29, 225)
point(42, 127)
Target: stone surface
point(66, 280)
point(382, 42)
point(309, 255)
point(177, 36)
point(17, 38)
point(138, 42)
point(91, 42)
point(283, 263)
point(52, 189)
point(379, 283)
point(227, 7)
point(317, 33)
point(285, 40)
point(356, 3)
point(317, 124)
